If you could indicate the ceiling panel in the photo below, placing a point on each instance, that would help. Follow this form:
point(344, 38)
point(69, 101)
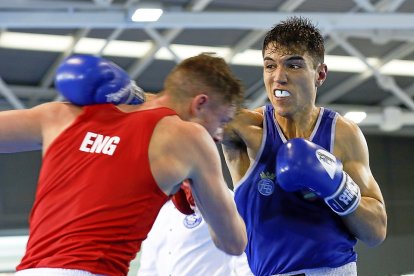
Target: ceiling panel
point(387, 33)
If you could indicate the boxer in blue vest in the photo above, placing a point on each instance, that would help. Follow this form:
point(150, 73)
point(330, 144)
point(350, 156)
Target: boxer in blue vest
point(303, 183)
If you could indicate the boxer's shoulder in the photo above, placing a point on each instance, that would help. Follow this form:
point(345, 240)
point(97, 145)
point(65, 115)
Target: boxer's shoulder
point(174, 129)
point(245, 131)
point(247, 117)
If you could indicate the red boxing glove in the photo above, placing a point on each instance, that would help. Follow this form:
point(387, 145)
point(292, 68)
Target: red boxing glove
point(183, 199)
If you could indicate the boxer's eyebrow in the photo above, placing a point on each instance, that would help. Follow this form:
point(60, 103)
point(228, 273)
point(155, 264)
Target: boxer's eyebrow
point(295, 57)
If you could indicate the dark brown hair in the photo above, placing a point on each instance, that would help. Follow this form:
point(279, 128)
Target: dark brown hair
point(296, 35)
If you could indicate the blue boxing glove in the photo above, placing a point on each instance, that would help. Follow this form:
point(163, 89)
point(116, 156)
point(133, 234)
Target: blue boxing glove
point(301, 164)
point(87, 79)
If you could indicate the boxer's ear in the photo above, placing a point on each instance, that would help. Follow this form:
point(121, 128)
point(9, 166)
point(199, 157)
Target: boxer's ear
point(321, 74)
point(198, 104)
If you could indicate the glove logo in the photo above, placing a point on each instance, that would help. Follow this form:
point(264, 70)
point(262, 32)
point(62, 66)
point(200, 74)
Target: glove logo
point(328, 161)
point(266, 185)
point(117, 96)
point(347, 198)
point(192, 220)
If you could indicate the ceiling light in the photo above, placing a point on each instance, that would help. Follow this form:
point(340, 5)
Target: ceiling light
point(398, 68)
point(137, 49)
point(89, 45)
point(348, 63)
point(146, 15)
point(36, 42)
point(248, 57)
point(356, 116)
point(127, 48)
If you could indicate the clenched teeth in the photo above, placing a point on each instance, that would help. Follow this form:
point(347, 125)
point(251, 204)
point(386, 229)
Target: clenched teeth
point(281, 93)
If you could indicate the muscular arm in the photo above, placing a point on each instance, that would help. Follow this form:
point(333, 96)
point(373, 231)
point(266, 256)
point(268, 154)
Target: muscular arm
point(35, 128)
point(242, 140)
point(192, 154)
point(213, 199)
point(369, 221)
point(20, 130)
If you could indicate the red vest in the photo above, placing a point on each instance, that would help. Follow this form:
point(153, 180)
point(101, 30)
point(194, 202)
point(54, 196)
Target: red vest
point(96, 199)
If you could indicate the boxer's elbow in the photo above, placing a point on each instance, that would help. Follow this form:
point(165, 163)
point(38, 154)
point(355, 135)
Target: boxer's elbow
point(240, 246)
point(374, 241)
point(235, 248)
point(378, 237)
point(236, 243)
point(378, 233)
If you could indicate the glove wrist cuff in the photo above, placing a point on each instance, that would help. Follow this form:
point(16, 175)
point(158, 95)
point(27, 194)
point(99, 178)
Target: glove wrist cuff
point(136, 95)
point(346, 198)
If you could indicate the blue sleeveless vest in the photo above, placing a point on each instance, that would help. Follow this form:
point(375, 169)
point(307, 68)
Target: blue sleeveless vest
point(290, 231)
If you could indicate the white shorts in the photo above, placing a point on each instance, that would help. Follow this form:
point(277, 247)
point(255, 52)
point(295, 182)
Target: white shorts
point(54, 272)
point(349, 269)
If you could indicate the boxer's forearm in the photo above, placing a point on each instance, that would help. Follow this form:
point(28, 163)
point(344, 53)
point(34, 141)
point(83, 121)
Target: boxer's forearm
point(369, 222)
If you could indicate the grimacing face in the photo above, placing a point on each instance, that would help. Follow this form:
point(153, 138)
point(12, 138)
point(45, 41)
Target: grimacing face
point(290, 79)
